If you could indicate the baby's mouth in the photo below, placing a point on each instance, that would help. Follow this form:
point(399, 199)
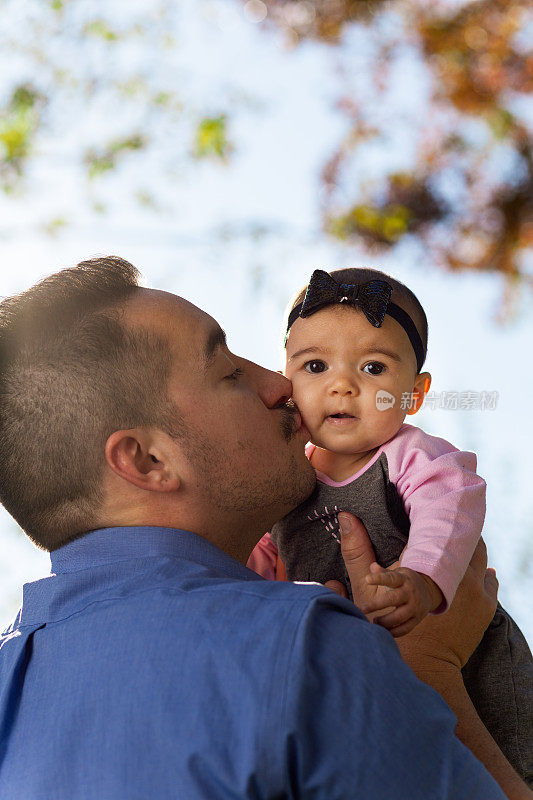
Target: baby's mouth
point(341, 418)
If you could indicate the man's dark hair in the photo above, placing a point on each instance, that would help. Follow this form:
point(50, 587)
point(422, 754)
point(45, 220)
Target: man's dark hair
point(401, 295)
point(72, 372)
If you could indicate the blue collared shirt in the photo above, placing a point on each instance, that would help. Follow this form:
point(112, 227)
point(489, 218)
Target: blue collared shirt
point(151, 665)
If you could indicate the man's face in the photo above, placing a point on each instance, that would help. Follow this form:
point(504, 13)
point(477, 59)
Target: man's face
point(246, 449)
point(341, 367)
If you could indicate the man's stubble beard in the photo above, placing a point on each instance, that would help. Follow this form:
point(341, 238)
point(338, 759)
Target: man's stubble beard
point(253, 493)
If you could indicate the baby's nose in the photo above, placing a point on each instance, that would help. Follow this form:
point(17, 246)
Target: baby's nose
point(344, 385)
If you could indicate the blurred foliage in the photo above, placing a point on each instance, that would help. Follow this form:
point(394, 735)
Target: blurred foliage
point(55, 225)
point(479, 64)
point(106, 94)
point(100, 29)
point(99, 162)
point(19, 121)
point(108, 91)
point(411, 206)
point(320, 19)
point(211, 139)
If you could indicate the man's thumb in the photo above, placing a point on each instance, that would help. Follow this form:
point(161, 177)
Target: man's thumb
point(356, 550)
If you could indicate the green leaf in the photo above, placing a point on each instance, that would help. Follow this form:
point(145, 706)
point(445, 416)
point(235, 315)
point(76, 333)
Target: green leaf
point(15, 136)
point(211, 138)
point(100, 29)
point(23, 98)
point(99, 163)
point(500, 122)
point(54, 225)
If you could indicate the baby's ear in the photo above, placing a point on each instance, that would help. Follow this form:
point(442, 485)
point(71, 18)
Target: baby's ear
point(422, 383)
point(420, 389)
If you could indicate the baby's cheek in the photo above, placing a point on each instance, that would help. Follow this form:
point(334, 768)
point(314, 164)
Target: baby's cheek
point(384, 424)
point(297, 389)
point(305, 400)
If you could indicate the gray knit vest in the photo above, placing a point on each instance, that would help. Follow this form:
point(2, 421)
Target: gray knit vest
point(308, 538)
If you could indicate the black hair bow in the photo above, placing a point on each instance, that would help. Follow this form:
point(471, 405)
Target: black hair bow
point(323, 290)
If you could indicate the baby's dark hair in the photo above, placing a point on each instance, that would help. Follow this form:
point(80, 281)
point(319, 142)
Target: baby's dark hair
point(401, 295)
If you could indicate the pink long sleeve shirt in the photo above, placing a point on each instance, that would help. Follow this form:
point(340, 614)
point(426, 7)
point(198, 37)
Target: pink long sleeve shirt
point(440, 491)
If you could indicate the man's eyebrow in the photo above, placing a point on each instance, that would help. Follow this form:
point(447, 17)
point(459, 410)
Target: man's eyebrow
point(215, 339)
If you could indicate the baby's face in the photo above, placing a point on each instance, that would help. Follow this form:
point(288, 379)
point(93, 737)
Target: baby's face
point(338, 362)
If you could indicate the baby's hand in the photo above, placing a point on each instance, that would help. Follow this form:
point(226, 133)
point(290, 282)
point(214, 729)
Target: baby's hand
point(411, 594)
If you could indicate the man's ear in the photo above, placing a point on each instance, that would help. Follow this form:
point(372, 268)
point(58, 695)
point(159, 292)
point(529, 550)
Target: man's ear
point(420, 389)
point(146, 458)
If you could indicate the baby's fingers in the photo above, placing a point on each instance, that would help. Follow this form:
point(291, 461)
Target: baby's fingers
point(397, 617)
point(405, 627)
point(394, 597)
point(391, 579)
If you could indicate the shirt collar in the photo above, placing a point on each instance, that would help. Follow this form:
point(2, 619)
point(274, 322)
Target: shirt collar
point(83, 570)
point(109, 545)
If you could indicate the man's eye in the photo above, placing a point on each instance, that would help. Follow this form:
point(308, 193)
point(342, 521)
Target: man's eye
point(376, 368)
point(314, 367)
point(235, 375)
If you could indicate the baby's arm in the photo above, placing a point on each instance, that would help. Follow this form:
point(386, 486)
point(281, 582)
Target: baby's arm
point(445, 500)
point(264, 558)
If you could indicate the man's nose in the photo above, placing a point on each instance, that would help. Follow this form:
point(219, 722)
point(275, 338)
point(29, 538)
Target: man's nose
point(274, 389)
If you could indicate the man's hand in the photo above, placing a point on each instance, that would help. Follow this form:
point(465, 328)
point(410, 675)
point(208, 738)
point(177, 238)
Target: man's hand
point(442, 643)
point(451, 637)
point(412, 594)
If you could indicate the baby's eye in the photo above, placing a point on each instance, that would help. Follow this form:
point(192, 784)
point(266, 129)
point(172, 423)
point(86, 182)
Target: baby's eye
point(314, 367)
point(376, 368)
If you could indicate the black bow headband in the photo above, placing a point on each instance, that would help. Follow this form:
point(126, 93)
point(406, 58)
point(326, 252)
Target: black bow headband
point(373, 298)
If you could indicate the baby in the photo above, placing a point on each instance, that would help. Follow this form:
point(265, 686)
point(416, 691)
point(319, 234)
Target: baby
point(356, 342)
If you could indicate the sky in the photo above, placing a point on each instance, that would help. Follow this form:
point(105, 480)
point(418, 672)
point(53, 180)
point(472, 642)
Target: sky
point(240, 239)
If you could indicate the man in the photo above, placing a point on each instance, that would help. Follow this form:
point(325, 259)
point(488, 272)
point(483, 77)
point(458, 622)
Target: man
point(149, 460)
